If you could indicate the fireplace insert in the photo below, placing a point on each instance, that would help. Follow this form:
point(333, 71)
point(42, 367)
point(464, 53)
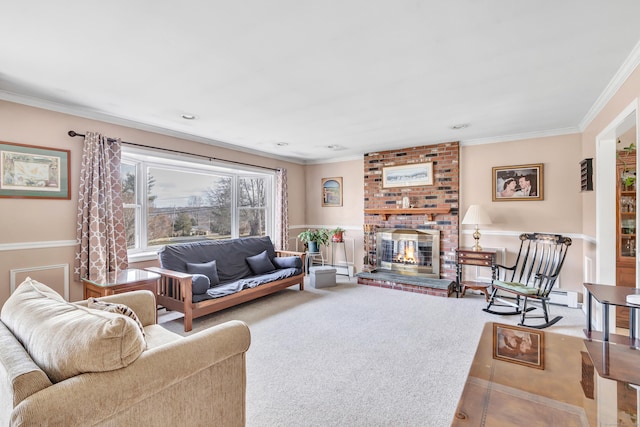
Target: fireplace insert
point(406, 251)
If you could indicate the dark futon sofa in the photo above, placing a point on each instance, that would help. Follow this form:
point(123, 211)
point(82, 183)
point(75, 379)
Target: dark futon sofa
point(200, 278)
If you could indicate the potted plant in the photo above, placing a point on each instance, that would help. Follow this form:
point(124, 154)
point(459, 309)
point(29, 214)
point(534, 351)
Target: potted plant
point(313, 239)
point(337, 235)
point(627, 176)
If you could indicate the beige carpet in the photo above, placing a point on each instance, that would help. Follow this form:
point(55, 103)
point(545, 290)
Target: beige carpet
point(357, 355)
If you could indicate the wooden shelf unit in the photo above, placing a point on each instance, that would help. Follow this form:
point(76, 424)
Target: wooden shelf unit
point(625, 232)
point(429, 212)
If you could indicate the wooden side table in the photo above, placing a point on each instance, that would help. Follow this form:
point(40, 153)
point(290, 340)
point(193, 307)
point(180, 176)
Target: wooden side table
point(131, 279)
point(483, 258)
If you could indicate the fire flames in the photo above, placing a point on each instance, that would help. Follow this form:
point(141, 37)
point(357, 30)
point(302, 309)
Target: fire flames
point(406, 256)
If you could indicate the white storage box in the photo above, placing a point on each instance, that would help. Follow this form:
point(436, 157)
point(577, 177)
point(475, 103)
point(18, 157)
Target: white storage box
point(323, 277)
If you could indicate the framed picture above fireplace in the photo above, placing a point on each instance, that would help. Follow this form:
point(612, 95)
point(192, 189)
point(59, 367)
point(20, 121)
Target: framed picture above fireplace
point(522, 182)
point(412, 175)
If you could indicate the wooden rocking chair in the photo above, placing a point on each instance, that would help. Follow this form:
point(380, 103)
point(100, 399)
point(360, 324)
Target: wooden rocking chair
point(532, 277)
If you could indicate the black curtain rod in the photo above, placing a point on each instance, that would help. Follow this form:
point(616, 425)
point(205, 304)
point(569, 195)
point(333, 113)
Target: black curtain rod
point(73, 133)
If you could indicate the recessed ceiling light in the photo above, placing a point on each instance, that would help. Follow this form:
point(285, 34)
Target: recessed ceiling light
point(189, 116)
point(333, 147)
point(282, 144)
point(460, 126)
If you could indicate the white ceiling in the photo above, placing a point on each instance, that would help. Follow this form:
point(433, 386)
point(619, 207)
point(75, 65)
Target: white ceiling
point(363, 75)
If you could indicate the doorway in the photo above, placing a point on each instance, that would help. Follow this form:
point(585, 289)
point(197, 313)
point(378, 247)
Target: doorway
point(615, 222)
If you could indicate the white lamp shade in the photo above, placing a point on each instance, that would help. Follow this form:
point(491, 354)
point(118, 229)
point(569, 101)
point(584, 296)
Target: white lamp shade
point(476, 215)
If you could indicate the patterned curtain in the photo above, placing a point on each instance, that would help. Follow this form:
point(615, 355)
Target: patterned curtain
point(282, 211)
point(101, 229)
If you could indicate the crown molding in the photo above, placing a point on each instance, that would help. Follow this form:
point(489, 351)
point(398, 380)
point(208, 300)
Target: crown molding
point(630, 63)
point(520, 136)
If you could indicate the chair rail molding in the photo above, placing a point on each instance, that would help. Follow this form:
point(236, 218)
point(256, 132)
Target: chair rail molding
point(575, 236)
point(20, 246)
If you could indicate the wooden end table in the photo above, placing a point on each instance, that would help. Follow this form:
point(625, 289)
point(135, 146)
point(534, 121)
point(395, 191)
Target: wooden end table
point(116, 282)
point(483, 258)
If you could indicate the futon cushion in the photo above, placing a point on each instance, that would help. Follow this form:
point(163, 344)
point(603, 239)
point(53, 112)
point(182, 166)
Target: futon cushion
point(516, 287)
point(199, 284)
point(66, 339)
point(230, 255)
point(288, 262)
point(209, 269)
point(260, 263)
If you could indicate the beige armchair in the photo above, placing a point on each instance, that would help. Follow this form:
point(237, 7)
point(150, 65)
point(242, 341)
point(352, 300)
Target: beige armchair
point(173, 380)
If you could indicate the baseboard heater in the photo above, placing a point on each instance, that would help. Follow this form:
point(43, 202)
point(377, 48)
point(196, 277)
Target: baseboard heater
point(567, 298)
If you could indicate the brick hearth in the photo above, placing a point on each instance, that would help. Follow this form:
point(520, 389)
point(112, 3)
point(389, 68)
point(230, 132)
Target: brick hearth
point(390, 280)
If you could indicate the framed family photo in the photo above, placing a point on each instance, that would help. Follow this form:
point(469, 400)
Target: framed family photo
point(412, 175)
point(332, 191)
point(27, 171)
point(521, 182)
point(515, 344)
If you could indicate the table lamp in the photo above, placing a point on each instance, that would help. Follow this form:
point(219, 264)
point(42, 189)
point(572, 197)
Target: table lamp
point(476, 216)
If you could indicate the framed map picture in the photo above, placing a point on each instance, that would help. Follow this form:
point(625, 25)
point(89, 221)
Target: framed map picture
point(27, 171)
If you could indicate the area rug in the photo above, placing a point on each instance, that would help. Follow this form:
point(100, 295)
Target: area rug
point(355, 355)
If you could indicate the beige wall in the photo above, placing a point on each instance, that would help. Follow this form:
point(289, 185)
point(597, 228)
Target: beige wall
point(560, 212)
point(37, 236)
point(349, 216)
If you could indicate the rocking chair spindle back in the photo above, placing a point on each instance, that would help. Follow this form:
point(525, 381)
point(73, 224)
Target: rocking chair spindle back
point(533, 275)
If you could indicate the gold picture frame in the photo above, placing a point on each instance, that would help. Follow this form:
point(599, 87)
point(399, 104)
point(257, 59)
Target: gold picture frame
point(515, 344)
point(28, 171)
point(411, 175)
point(520, 182)
point(331, 192)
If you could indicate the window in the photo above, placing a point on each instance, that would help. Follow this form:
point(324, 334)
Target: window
point(171, 200)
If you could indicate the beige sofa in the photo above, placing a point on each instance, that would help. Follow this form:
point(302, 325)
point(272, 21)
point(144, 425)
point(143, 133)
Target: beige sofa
point(64, 364)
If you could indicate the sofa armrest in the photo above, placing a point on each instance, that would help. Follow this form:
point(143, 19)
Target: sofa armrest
point(184, 280)
point(143, 303)
point(170, 273)
point(302, 255)
point(290, 253)
point(163, 384)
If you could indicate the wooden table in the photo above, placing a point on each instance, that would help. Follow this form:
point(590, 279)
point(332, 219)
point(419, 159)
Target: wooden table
point(608, 295)
point(567, 392)
point(131, 279)
point(483, 258)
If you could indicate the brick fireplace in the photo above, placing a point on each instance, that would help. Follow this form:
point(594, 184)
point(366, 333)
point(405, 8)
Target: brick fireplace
point(433, 207)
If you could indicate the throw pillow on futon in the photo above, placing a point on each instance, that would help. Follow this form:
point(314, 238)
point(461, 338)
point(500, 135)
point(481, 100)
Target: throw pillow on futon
point(209, 269)
point(199, 284)
point(260, 263)
point(288, 262)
